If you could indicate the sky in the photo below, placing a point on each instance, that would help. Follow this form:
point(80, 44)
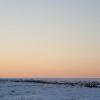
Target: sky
point(49, 38)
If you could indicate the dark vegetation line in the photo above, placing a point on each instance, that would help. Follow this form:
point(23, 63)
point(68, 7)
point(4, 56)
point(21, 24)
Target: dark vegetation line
point(89, 84)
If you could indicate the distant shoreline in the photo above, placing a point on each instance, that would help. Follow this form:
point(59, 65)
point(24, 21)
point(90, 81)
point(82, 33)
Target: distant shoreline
point(93, 83)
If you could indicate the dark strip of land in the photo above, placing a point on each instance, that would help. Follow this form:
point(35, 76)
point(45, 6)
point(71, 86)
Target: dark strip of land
point(89, 84)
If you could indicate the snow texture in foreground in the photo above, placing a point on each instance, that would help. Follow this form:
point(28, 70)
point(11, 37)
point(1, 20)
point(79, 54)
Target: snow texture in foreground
point(38, 91)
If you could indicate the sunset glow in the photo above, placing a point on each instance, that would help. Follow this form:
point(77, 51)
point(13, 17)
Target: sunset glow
point(50, 38)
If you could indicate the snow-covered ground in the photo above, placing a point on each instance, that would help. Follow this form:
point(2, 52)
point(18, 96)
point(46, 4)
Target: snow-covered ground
point(39, 91)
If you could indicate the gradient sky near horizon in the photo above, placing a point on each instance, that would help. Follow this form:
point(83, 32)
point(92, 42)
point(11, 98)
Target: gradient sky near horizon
point(49, 38)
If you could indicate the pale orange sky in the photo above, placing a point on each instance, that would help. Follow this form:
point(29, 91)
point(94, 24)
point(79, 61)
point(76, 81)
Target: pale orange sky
point(50, 38)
